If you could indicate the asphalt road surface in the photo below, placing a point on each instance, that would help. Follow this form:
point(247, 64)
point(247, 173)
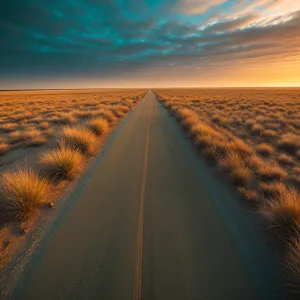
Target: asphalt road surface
point(147, 226)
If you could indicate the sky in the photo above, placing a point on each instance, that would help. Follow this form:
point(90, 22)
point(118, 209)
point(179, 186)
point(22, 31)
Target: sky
point(149, 43)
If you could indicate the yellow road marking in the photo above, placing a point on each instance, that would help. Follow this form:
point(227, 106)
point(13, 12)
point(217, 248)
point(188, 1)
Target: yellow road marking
point(137, 289)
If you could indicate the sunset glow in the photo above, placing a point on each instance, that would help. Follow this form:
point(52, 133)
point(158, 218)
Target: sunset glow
point(149, 43)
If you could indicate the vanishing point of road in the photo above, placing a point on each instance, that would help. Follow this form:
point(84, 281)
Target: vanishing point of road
point(151, 223)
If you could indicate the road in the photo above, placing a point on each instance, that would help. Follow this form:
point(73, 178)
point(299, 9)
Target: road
point(146, 226)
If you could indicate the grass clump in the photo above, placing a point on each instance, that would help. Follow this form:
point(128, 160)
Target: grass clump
point(202, 129)
point(109, 116)
point(79, 138)
point(240, 147)
point(8, 127)
point(283, 212)
point(34, 137)
point(286, 160)
point(289, 143)
point(63, 162)
point(249, 195)
point(99, 126)
point(23, 191)
point(4, 148)
point(235, 166)
point(271, 173)
point(264, 149)
point(272, 189)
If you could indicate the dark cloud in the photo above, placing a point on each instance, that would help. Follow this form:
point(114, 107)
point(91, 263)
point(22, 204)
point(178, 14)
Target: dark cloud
point(105, 38)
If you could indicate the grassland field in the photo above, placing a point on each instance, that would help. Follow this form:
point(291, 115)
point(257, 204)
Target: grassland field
point(251, 136)
point(47, 138)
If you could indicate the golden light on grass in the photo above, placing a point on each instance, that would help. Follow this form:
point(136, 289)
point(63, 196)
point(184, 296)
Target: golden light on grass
point(16, 137)
point(8, 127)
point(289, 143)
point(264, 149)
point(203, 129)
point(63, 162)
point(272, 189)
point(285, 160)
point(283, 212)
point(240, 147)
point(80, 138)
point(271, 173)
point(109, 116)
point(4, 148)
point(233, 163)
point(23, 191)
point(34, 137)
point(99, 126)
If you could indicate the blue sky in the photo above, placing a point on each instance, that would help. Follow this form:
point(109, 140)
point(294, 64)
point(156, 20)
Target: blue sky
point(92, 43)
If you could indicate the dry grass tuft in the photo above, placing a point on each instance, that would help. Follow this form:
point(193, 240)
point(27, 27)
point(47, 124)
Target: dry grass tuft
point(34, 137)
point(289, 143)
point(285, 160)
point(271, 173)
point(99, 126)
point(272, 189)
point(4, 148)
point(254, 162)
point(80, 138)
point(202, 129)
point(23, 191)
point(63, 162)
point(240, 147)
point(249, 195)
point(44, 125)
point(235, 166)
point(283, 212)
point(49, 132)
point(109, 116)
point(264, 149)
point(9, 127)
point(16, 137)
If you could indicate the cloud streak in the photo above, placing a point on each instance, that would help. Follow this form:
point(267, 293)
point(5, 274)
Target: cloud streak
point(85, 39)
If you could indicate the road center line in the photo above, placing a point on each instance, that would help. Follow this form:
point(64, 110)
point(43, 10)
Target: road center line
point(137, 289)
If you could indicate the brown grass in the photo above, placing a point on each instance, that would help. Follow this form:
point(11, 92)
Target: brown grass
point(283, 212)
point(249, 195)
point(16, 137)
point(285, 160)
point(272, 189)
point(34, 137)
point(99, 126)
point(271, 173)
point(264, 149)
point(289, 143)
point(80, 138)
point(4, 148)
point(63, 162)
point(109, 116)
point(240, 147)
point(263, 121)
point(235, 166)
point(8, 127)
point(23, 191)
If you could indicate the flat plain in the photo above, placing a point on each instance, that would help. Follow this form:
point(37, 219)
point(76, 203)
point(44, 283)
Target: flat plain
point(47, 138)
point(253, 137)
point(143, 213)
